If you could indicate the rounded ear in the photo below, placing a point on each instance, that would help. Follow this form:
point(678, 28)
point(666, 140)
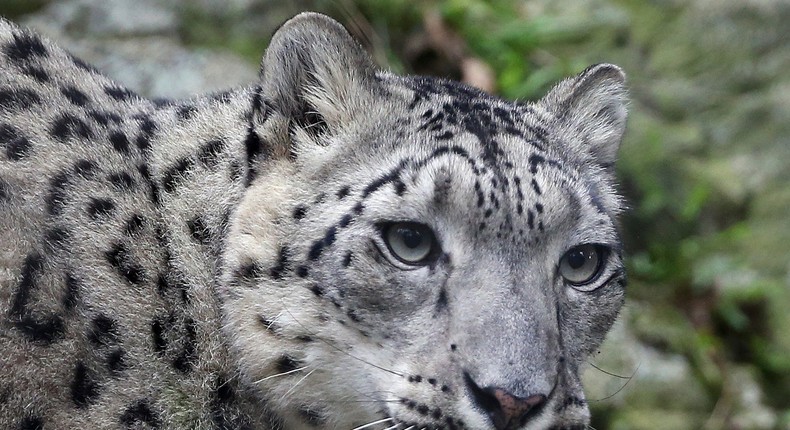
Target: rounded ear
point(314, 72)
point(591, 109)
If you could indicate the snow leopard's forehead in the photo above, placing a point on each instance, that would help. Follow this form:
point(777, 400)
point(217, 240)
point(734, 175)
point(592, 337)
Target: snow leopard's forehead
point(446, 149)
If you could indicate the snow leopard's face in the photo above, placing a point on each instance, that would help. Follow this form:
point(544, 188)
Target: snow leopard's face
point(416, 254)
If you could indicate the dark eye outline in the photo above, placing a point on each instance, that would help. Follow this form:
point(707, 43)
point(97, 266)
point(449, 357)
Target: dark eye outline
point(429, 258)
point(602, 252)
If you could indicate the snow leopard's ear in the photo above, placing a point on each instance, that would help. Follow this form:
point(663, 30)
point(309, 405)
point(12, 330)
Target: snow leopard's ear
point(591, 111)
point(314, 74)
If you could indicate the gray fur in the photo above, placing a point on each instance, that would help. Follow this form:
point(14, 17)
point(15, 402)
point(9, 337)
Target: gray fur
point(217, 262)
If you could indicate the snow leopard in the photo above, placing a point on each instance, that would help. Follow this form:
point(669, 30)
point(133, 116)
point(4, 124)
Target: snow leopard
point(332, 246)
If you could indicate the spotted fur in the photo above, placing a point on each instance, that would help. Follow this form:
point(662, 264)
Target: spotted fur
point(219, 262)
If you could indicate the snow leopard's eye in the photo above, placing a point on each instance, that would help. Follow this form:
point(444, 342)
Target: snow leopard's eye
point(410, 242)
point(582, 264)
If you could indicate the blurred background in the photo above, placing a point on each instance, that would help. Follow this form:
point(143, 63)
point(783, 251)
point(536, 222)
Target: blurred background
point(704, 341)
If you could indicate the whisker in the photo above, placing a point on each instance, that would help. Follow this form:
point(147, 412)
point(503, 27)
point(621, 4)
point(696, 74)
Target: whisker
point(606, 372)
point(373, 424)
point(280, 374)
point(298, 382)
point(629, 378)
point(340, 350)
point(393, 427)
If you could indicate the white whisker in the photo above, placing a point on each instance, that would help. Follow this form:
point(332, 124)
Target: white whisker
point(298, 382)
point(373, 424)
point(280, 374)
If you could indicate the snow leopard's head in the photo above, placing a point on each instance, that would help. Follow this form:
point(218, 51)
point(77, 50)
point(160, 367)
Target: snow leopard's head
point(414, 253)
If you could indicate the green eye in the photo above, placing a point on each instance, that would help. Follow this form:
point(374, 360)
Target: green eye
point(410, 242)
point(582, 264)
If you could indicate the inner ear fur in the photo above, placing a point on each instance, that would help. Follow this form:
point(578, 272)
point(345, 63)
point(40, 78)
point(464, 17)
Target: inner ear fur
point(314, 73)
point(591, 109)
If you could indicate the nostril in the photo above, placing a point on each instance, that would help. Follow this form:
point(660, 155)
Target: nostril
point(505, 410)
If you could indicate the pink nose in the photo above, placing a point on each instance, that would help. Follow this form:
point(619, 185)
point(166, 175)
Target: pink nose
point(505, 410)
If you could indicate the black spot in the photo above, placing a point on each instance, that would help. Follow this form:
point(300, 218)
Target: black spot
point(56, 237)
point(36, 73)
point(121, 180)
point(198, 230)
point(73, 288)
point(317, 290)
point(31, 423)
point(118, 93)
point(302, 271)
point(453, 347)
point(116, 361)
point(158, 335)
point(209, 152)
point(46, 330)
point(16, 145)
point(133, 224)
point(353, 316)
point(103, 330)
point(268, 324)
point(120, 142)
point(175, 174)
point(299, 212)
point(99, 207)
point(12, 99)
point(147, 129)
point(140, 412)
point(441, 302)
point(286, 363)
point(5, 195)
point(318, 246)
point(104, 117)
point(343, 192)
point(186, 358)
point(84, 387)
point(75, 96)
point(68, 126)
point(347, 259)
point(154, 189)
point(278, 271)
point(400, 187)
point(185, 112)
point(120, 258)
point(25, 47)
point(254, 147)
point(85, 168)
point(534, 161)
point(249, 272)
point(536, 187)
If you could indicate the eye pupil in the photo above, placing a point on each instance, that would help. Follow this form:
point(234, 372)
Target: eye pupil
point(576, 259)
point(410, 237)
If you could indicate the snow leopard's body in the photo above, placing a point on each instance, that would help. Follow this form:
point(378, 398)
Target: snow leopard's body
point(228, 261)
